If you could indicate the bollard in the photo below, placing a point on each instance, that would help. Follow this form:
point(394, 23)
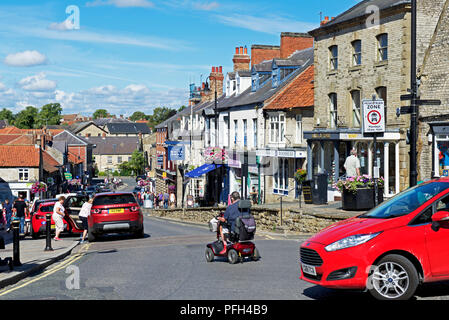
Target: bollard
point(16, 242)
point(48, 232)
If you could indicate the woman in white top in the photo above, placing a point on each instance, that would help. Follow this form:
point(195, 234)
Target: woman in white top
point(84, 215)
point(58, 215)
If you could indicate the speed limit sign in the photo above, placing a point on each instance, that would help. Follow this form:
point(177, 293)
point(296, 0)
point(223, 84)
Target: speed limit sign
point(373, 116)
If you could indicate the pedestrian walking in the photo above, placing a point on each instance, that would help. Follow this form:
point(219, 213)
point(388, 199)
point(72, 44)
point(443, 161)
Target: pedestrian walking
point(172, 200)
point(352, 165)
point(7, 211)
point(19, 209)
point(166, 199)
point(84, 215)
point(58, 215)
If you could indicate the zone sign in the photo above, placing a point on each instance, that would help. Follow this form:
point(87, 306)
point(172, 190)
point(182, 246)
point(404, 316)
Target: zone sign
point(373, 116)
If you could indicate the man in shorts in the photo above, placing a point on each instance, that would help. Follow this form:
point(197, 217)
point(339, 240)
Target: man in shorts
point(58, 215)
point(84, 215)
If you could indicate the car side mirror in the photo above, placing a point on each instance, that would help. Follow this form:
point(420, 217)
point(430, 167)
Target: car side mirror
point(438, 218)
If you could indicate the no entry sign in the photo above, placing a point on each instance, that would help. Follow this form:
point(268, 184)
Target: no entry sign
point(373, 116)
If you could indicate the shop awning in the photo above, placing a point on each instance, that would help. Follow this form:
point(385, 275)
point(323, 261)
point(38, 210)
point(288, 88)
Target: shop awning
point(205, 168)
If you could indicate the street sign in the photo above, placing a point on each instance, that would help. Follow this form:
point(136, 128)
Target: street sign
point(428, 102)
point(373, 116)
point(406, 97)
point(68, 175)
point(176, 153)
point(403, 110)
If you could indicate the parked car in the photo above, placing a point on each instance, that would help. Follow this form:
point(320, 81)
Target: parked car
point(39, 219)
point(91, 190)
point(141, 177)
point(390, 250)
point(115, 213)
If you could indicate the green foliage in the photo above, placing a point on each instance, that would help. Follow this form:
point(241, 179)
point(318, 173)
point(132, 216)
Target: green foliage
point(26, 119)
point(138, 115)
point(7, 114)
point(100, 113)
point(159, 115)
point(136, 164)
point(50, 114)
point(102, 174)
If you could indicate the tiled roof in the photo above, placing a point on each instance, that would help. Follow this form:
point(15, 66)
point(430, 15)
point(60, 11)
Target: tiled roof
point(129, 127)
point(14, 156)
point(298, 93)
point(114, 145)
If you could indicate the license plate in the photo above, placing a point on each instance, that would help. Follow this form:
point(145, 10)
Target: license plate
point(308, 269)
point(119, 210)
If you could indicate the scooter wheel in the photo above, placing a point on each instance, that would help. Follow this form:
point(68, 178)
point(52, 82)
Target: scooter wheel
point(233, 256)
point(256, 255)
point(209, 255)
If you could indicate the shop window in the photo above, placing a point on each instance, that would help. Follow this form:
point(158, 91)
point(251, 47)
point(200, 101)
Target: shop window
point(277, 128)
point(362, 153)
point(443, 156)
point(280, 177)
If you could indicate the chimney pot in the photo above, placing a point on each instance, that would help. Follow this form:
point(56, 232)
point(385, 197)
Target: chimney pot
point(241, 50)
point(246, 50)
point(236, 50)
point(220, 70)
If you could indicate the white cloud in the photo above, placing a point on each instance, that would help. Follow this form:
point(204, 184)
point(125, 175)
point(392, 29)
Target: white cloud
point(272, 24)
point(121, 3)
point(37, 83)
point(25, 59)
point(206, 6)
point(62, 26)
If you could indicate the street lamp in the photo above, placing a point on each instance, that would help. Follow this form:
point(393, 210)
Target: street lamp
point(206, 88)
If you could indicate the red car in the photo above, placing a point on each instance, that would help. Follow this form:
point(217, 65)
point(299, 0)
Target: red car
point(39, 219)
point(115, 213)
point(390, 250)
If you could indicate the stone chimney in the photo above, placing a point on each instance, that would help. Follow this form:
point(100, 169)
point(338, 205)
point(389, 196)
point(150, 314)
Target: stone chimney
point(261, 53)
point(291, 42)
point(241, 59)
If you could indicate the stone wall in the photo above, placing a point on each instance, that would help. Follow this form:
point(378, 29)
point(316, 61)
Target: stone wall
point(293, 220)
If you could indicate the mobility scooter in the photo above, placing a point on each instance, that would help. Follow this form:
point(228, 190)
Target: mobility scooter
point(239, 243)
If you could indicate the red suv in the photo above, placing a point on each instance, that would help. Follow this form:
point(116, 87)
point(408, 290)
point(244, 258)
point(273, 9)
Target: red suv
point(115, 213)
point(389, 250)
point(39, 219)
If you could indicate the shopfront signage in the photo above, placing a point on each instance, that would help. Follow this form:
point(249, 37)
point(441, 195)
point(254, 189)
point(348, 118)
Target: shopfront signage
point(281, 153)
point(373, 116)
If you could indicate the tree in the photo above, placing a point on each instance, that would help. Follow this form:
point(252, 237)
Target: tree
point(181, 108)
point(7, 114)
point(50, 114)
point(160, 115)
point(100, 113)
point(136, 164)
point(26, 118)
point(138, 115)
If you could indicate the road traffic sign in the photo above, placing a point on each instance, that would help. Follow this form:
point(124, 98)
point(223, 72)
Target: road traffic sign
point(373, 116)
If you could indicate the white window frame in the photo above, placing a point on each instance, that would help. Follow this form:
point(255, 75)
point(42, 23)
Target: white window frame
point(333, 110)
point(333, 59)
point(109, 160)
point(356, 55)
point(25, 173)
point(356, 109)
point(382, 49)
point(277, 128)
point(298, 126)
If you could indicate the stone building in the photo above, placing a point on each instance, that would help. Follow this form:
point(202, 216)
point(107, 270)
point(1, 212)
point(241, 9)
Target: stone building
point(433, 143)
point(356, 57)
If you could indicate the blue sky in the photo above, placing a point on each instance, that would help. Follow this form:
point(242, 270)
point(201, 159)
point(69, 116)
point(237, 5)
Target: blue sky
point(130, 55)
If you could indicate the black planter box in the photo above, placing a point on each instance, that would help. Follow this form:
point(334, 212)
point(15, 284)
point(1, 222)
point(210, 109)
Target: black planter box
point(362, 200)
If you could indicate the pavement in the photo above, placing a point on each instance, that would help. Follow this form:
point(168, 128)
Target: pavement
point(32, 256)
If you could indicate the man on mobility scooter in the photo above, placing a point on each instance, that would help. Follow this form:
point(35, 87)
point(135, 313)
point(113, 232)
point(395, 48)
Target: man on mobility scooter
point(235, 228)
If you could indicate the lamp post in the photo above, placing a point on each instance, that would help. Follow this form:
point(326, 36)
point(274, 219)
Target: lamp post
point(216, 136)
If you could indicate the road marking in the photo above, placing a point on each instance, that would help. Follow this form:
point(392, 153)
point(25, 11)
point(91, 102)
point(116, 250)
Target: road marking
point(51, 271)
point(269, 237)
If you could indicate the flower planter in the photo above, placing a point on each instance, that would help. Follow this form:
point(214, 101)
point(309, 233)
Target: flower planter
point(362, 200)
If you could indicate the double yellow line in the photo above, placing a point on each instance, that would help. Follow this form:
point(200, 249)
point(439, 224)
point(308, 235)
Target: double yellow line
point(50, 271)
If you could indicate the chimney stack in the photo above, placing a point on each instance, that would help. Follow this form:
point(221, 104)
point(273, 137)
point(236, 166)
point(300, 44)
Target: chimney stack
point(292, 41)
point(241, 59)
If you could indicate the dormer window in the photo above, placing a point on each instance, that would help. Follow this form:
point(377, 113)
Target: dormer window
point(254, 82)
point(276, 77)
